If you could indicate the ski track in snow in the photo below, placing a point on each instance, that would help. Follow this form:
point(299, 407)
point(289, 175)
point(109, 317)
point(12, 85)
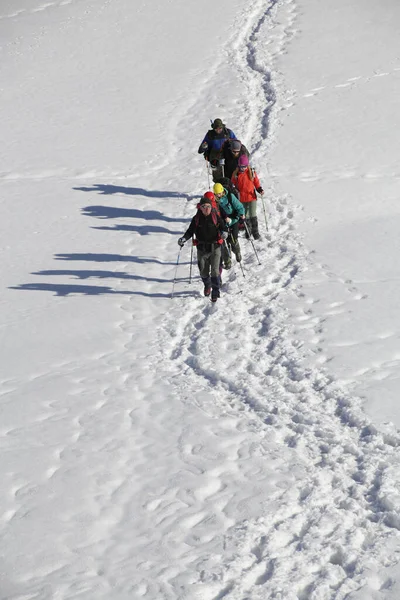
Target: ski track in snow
point(339, 516)
point(352, 82)
point(318, 538)
point(38, 8)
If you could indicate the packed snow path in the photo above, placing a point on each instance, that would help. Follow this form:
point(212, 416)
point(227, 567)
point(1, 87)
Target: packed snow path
point(207, 462)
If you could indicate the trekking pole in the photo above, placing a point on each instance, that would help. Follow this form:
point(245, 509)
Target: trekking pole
point(208, 174)
point(240, 262)
point(191, 262)
point(252, 243)
point(176, 270)
point(222, 165)
point(228, 250)
point(265, 213)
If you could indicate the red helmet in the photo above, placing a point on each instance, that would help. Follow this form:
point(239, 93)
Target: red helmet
point(210, 196)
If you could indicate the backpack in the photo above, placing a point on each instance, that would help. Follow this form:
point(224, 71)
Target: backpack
point(215, 216)
point(229, 186)
point(214, 135)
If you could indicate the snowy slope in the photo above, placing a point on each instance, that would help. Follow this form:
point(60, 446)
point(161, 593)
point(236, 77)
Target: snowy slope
point(156, 447)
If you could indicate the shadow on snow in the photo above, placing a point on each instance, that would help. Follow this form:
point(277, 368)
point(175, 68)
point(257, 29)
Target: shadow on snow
point(105, 275)
point(113, 212)
point(140, 229)
point(88, 290)
point(115, 258)
point(108, 189)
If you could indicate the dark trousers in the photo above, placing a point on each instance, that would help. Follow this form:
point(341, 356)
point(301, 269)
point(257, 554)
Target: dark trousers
point(208, 260)
point(233, 241)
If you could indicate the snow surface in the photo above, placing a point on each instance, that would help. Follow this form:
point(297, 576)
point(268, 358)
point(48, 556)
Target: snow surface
point(166, 448)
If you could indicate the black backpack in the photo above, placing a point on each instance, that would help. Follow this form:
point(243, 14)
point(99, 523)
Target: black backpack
point(228, 185)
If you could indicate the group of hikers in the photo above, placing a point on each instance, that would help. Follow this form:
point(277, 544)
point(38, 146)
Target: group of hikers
point(232, 205)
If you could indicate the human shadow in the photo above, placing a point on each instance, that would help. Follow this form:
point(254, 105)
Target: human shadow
point(88, 274)
point(113, 212)
point(140, 229)
point(108, 189)
point(88, 290)
point(114, 258)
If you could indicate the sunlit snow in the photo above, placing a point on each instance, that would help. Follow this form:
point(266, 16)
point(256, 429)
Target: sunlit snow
point(163, 447)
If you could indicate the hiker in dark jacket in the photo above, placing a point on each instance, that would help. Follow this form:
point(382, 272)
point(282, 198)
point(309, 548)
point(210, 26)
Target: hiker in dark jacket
point(231, 150)
point(211, 146)
point(210, 231)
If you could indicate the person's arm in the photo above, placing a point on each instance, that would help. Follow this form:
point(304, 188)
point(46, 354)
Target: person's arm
point(223, 214)
point(225, 149)
point(238, 206)
point(221, 224)
point(204, 145)
point(257, 184)
point(188, 233)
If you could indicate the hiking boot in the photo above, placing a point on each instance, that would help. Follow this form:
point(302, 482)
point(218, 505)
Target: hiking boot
point(214, 295)
point(207, 291)
point(254, 228)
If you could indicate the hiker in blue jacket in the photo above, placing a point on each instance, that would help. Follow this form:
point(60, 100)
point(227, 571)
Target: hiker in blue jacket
point(211, 146)
point(233, 210)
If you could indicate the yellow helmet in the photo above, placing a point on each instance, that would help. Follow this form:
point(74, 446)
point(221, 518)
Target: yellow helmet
point(218, 188)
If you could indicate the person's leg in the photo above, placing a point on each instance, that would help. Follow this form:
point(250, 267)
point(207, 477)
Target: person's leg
point(204, 269)
point(247, 218)
point(253, 219)
point(226, 257)
point(234, 241)
point(215, 259)
point(217, 173)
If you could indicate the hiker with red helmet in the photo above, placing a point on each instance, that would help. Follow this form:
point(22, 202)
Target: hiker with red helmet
point(225, 258)
point(210, 231)
point(231, 151)
point(247, 182)
point(211, 145)
point(210, 196)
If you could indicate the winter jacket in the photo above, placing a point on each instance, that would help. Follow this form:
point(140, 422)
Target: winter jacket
point(231, 207)
point(231, 161)
point(247, 183)
point(215, 142)
point(207, 229)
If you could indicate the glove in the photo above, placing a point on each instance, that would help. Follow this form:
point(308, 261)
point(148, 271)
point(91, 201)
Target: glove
point(242, 218)
point(181, 241)
point(228, 221)
point(224, 235)
point(221, 161)
point(204, 146)
point(260, 190)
